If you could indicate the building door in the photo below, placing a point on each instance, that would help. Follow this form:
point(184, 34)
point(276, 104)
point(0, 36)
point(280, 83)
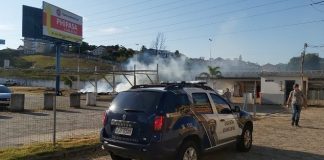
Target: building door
point(288, 88)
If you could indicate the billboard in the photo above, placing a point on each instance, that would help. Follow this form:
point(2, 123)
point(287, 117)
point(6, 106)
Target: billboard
point(2, 41)
point(61, 24)
point(32, 22)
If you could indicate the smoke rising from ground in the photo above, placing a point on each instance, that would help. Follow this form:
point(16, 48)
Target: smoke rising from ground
point(171, 68)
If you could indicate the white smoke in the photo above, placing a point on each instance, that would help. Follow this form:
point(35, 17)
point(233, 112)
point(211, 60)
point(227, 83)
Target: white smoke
point(171, 68)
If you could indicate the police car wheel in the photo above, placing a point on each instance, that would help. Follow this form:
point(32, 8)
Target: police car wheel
point(188, 151)
point(244, 142)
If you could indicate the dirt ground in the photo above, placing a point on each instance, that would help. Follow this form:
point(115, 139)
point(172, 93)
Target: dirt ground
point(274, 139)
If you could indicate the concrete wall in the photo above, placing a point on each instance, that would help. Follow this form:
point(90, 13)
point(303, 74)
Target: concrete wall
point(42, 83)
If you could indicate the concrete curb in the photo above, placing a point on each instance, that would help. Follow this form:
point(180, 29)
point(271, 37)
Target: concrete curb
point(67, 153)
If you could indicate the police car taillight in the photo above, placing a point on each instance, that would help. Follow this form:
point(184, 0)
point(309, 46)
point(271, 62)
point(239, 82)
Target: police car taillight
point(158, 123)
point(104, 118)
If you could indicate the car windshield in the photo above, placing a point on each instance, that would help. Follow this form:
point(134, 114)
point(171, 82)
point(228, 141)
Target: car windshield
point(138, 101)
point(4, 89)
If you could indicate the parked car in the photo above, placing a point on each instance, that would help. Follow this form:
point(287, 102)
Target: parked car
point(11, 83)
point(5, 95)
point(177, 121)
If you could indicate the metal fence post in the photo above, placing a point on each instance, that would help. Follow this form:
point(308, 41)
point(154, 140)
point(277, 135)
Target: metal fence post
point(54, 123)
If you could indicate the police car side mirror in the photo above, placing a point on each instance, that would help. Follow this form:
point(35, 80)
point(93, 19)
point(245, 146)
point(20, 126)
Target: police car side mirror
point(237, 109)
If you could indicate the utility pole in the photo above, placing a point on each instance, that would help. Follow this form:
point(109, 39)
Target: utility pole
point(79, 50)
point(302, 67)
point(210, 50)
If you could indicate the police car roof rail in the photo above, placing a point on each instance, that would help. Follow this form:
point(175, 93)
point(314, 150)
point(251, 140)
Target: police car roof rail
point(201, 85)
point(175, 85)
point(148, 86)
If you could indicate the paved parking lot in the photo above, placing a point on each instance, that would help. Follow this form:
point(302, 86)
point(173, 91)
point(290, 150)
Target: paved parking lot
point(274, 138)
point(36, 125)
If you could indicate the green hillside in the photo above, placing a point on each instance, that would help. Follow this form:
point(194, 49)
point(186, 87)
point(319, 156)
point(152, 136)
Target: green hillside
point(38, 64)
point(48, 62)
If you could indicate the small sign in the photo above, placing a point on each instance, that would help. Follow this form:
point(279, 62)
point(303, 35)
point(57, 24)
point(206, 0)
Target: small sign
point(6, 64)
point(2, 41)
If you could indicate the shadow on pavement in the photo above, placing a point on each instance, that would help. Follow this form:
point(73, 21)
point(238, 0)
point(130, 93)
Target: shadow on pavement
point(66, 111)
point(93, 108)
point(311, 127)
point(5, 117)
point(27, 112)
point(260, 152)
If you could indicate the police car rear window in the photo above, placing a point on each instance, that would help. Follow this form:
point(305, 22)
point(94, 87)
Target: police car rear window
point(141, 101)
point(172, 102)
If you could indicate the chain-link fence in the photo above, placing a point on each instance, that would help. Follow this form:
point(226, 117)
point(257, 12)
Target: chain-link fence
point(36, 122)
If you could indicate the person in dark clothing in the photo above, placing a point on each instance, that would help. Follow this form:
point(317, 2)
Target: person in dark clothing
point(228, 95)
point(296, 99)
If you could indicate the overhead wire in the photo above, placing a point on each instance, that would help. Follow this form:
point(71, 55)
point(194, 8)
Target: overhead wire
point(217, 22)
point(118, 8)
point(201, 18)
point(152, 13)
point(142, 10)
point(317, 3)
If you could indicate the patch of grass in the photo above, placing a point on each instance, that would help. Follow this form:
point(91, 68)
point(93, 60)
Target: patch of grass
point(34, 151)
point(43, 62)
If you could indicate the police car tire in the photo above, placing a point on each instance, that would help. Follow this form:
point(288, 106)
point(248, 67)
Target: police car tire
point(184, 147)
point(115, 157)
point(240, 146)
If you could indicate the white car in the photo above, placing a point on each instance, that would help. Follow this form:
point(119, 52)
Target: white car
point(5, 95)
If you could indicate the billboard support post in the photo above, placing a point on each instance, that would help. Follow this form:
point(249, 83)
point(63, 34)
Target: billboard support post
point(58, 67)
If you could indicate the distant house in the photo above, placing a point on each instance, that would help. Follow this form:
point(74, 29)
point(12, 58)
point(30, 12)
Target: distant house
point(99, 51)
point(20, 48)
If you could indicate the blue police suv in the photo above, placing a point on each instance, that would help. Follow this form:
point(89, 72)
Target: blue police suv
point(177, 121)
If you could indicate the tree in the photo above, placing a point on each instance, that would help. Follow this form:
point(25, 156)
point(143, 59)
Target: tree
point(83, 48)
point(159, 43)
point(214, 71)
point(177, 53)
point(311, 62)
point(143, 48)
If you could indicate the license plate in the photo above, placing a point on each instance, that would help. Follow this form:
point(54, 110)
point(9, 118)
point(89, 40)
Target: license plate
point(124, 131)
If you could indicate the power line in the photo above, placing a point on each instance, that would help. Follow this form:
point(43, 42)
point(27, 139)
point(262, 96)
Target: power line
point(202, 18)
point(118, 8)
point(317, 3)
point(150, 14)
point(256, 29)
point(234, 19)
point(246, 31)
point(132, 12)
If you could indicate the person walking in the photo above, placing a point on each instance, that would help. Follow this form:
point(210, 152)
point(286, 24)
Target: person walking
point(296, 99)
point(228, 95)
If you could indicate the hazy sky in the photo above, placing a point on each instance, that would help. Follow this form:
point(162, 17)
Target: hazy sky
point(260, 30)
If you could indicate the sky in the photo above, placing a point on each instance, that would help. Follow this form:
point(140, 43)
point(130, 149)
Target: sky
point(262, 31)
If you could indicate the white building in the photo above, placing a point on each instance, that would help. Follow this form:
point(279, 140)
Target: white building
point(271, 87)
point(275, 89)
point(99, 51)
point(32, 46)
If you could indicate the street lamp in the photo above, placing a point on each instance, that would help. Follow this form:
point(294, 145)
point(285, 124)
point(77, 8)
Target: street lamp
point(210, 50)
point(138, 51)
